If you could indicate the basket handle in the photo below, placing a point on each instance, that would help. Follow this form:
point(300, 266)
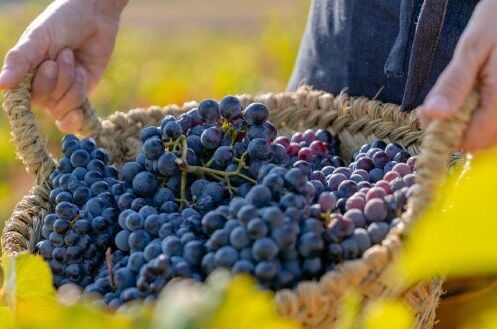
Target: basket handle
point(30, 144)
point(441, 138)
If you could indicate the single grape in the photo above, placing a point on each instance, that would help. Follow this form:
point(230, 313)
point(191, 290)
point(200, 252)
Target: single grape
point(356, 216)
point(375, 210)
point(256, 114)
point(378, 231)
point(209, 111)
point(211, 138)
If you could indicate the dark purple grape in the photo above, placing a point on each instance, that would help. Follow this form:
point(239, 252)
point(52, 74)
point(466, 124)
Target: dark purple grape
point(335, 180)
point(364, 163)
point(256, 114)
point(209, 111)
point(356, 216)
point(258, 149)
point(172, 130)
point(379, 144)
point(389, 166)
point(346, 189)
point(376, 175)
point(402, 157)
point(350, 248)
point(211, 138)
point(392, 149)
point(378, 231)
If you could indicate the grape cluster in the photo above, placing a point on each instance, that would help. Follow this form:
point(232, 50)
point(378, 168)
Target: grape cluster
point(79, 231)
point(269, 233)
point(218, 188)
point(368, 196)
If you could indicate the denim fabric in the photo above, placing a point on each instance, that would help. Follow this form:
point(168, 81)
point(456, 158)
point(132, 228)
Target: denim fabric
point(346, 45)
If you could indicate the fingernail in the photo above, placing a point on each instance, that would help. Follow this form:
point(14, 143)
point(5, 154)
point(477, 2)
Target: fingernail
point(67, 56)
point(438, 104)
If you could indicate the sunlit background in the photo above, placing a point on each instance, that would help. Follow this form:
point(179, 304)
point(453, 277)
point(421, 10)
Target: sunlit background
point(170, 51)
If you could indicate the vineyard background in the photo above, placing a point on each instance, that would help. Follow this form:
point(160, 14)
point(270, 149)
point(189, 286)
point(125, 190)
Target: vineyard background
point(170, 52)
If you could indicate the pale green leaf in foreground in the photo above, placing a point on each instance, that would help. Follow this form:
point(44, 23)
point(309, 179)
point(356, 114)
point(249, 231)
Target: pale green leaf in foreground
point(27, 283)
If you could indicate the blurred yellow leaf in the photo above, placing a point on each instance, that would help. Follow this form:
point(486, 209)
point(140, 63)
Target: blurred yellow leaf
point(6, 318)
point(388, 314)
point(247, 307)
point(27, 283)
point(457, 235)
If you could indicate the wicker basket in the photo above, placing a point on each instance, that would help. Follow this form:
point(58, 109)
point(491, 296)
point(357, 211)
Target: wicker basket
point(315, 304)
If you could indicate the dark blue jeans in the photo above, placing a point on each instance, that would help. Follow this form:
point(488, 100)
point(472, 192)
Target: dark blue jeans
point(365, 47)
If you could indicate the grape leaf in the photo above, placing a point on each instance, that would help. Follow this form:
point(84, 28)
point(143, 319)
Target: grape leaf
point(388, 314)
point(456, 237)
point(248, 307)
point(27, 283)
point(6, 318)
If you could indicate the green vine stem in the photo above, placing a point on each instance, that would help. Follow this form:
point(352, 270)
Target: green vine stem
point(220, 175)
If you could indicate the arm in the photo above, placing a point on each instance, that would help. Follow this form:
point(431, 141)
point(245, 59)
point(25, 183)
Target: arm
point(474, 63)
point(69, 45)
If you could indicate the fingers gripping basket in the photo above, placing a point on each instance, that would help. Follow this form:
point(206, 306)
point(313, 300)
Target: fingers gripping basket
point(356, 120)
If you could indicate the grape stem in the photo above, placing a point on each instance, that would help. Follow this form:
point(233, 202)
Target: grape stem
point(108, 258)
point(202, 170)
point(225, 175)
point(183, 172)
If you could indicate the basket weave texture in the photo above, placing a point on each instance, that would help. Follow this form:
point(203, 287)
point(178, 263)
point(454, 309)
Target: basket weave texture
point(315, 304)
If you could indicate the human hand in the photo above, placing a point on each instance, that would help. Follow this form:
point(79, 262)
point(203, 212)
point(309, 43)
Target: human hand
point(69, 45)
point(474, 63)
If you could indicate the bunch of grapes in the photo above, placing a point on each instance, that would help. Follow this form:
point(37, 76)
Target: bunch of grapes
point(82, 227)
point(370, 195)
point(217, 188)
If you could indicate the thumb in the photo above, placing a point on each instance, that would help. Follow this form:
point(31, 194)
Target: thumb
point(27, 54)
point(452, 87)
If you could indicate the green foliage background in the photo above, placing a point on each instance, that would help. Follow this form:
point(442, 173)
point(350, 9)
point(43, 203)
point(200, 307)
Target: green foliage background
point(171, 52)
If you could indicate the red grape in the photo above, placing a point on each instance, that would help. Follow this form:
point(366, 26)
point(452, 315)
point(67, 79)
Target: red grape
point(306, 154)
point(318, 147)
point(293, 149)
point(355, 202)
point(390, 176)
point(385, 185)
point(375, 192)
point(297, 138)
point(411, 162)
point(402, 168)
point(308, 136)
point(375, 210)
point(283, 141)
